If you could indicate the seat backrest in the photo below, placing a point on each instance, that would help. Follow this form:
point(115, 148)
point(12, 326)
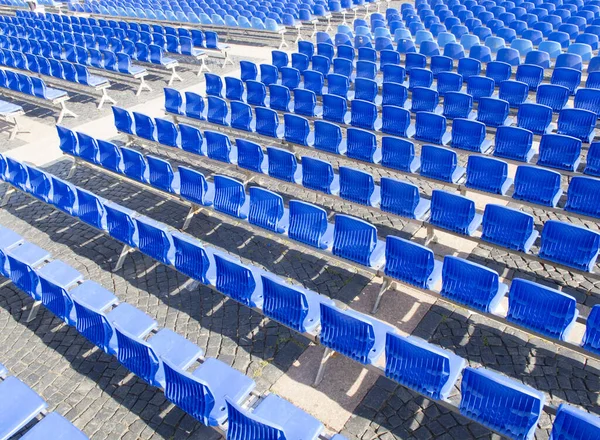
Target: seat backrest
point(234, 279)
point(308, 223)
point(540, 308)
point(356, 185)
point(92, 324)
point(173, 101)
point(354, 239)
point(438, 162)
point(468, 134)
point(559, 151)
point(328, 136)
point(346, 333)
point(507, 227)
point(583, 195)
point(571, 421)
point(137, 356)
point(486, 174)
point(230, 195)
point(420, 366)
point(576, 122)
point(534, 117)
point(469, 283)
point(242, 424)
point(193, 186)
point(297, 129)
point(214, 84)
point(515, 92)
point(317, 174)
point(266, 208)
point(144, 126)
point(492, 112)
point(505, 405)
point(160, 173)
point(282, 164)
point(154, 240)
point(284, 303)
point(361, 144)
point(571, 245)
point(537, 185)
point(430, 127)
point(480, 87)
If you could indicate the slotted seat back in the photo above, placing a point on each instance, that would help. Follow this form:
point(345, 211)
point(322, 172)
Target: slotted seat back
point(451, 211)
point(308, 223)
point(571, 245)
point(544, 310)
point(356, 185)
point(505, 405)
point(571, 422)
point(507, 227)
point(229, 195)
point(190, 257)
point(395, 120)
point(153, 240)
point(284, 303)
point(438, 163)
point(583, 196)
point(457, 105)
point(492, 112)
point(346, 334)
point(536, 185)
point(397, 153)
point(534, 117)
point(317, 174)
point(486, 174)
point(408, 262)
point(234, 280)
point(559, 151)
point(430, 127)
point(469, 283)
point(266, 209)
point(354, 239)
point(513, 143)
point(576, 122)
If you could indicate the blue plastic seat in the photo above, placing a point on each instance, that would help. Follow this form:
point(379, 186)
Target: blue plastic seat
point(469, 135)
point(544, 310)
point(577, 123)
point(402, 199)
point(279, 58)
point(256, 93)
point(559, 151)
point(508, 227)
point(535, 118)
point(582, 196)
point(356, 240)
point(250, 71)
point(362, 145)
point(481, 53)
point(273, 418)
point(537, 185)
point(318, 175)
point(454, 212)
point(413, 60)
point(480, 87)
point(420, 366)
point(430, 127)
point(492, 112)
point(268, 74)
point(582, 50)
point(449, 82)
point(305, 103)
point(424, 99)
point(488, 174)
point(429, 48)
point(358, 186)
point(308, 224)
point(234, 89)
point(567, 77)
point(467, 41)
point(440, 163)
point(239, 282)
point(19, 405)
point(266, 210)
point(505, 405)
point(297, 129)
point(498, 71)
point(571, 421)
point(571, 245)
point(531, 75)
point(588, 99)
point(538, 58)
point(457, 105)
point(283, 165)
point(515, 92)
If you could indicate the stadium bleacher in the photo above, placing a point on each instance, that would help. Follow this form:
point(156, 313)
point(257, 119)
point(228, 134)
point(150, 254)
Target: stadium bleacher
point(377, 149)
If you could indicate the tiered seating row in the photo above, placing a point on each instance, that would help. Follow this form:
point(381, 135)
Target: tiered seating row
point(19, 404)
point(399, 259)
point(201, 41)
point(31, 88)
point(348, 332)
point(212, 393)
point(534, 186)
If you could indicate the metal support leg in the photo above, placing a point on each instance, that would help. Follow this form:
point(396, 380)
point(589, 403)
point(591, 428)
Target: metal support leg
point(105, 98)
point(386, 284)
point(194, 209)
point(314, 30)
point(126, 249)
point(7, 195)
point(203, 66)
point(298, 36)
point(33, 312)
point(328, 24)
point(15, 129)
point(283, 42)
point(430, 235)
point(143, 86)
point(64, 111)
point(126, 379)
point(174, 76)
point(190, 285)
point(463, 191)
point(559, 287)
point(326, 355)
point(72, 170)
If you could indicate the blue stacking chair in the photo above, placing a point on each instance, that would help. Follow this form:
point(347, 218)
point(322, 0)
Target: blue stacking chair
point(413, 60)
point(362, 145)
point(356, 240)
point(424, 99)
point(283, 165)
point(454, 212)
point(560, 151)
point(577, 123)
point(154, 240)
point(467, 41)
point(570, 61)
point(571, 421)
point(440, 163)
point(571, 245)
point(20, 406)
point(567, 77)
point(582, 196)
point(505, 405)
point(508, 227)
point(273, 418)
point(542, 309)
point(592, 166)
point(218, 147)
point(420, 78)
point(266, 210)
point(250, 71)
point(421, 366)
point(581, 49)
point(429, 48)
point(449, 82)
point(297, 129)
point(195, 188)
point(364, 115)
point(335, 108)
point(492, 112)
point(488, 174)
point(430, 127)
point(402, 199)
point(515, 92)
point(480, 87)
point(256, 93)
point(537, 185)
point(481, 53)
